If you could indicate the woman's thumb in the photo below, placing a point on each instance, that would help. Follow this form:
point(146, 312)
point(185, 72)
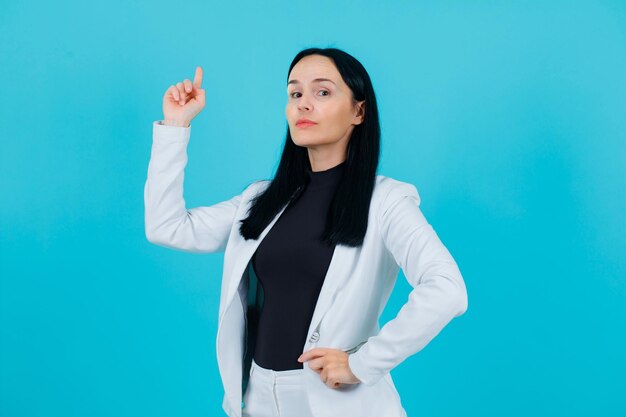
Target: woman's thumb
point(200, 96)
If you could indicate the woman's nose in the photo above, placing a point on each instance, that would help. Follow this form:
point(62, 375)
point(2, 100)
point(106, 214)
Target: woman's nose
point(303, 103)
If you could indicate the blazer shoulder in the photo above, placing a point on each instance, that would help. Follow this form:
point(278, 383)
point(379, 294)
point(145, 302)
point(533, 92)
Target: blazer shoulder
point(256, 187)
point(388, 190)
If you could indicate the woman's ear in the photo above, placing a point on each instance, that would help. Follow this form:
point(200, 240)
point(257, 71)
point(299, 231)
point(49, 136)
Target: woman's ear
point(360, 113)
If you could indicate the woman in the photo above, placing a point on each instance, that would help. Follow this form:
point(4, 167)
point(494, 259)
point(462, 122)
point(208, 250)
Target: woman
point(312, 255)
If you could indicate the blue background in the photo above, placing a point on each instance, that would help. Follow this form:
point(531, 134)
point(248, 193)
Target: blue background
point(510, 119)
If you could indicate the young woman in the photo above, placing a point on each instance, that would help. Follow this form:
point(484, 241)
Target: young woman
point(312, 255)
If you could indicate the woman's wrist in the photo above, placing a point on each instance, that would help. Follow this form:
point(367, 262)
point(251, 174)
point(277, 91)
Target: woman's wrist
point(178, 123)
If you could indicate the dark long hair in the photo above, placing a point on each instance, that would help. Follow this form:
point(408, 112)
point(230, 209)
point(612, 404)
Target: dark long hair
point(348, 212)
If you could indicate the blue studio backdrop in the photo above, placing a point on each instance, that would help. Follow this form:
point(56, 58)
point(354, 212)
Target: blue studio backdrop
point(508, 117)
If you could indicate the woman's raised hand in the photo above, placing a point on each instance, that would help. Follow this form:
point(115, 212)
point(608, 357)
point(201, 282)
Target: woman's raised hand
point(183, 101)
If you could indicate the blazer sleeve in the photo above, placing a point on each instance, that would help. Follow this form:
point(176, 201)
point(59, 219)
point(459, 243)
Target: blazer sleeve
point(167, 222)
point(438, 295)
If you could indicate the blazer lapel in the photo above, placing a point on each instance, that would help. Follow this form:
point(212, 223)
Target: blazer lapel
point(342, 263)
point(245, 252)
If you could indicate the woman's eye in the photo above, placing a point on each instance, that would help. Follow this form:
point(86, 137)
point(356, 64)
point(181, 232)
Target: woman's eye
point(321, 91)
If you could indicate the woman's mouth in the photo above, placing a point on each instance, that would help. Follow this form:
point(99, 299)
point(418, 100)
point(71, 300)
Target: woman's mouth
point(302, 123)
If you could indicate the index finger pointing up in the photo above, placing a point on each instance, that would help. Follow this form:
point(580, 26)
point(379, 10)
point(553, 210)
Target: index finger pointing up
point(197, 79)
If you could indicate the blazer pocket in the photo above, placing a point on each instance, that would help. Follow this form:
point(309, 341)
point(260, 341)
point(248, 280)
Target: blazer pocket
point(354, 348)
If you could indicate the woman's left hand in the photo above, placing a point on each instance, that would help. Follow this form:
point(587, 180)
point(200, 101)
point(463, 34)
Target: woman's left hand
point(331, 364)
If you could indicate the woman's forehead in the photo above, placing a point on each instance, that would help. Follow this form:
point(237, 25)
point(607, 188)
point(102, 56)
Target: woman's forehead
point(314, 68)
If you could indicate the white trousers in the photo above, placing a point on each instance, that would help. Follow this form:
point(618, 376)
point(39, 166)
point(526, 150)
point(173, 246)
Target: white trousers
point(275, 394)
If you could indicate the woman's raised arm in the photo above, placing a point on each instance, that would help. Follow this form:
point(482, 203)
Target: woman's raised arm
point(167, 221)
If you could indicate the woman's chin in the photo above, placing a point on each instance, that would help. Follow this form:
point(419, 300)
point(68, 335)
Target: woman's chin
point(307, 143)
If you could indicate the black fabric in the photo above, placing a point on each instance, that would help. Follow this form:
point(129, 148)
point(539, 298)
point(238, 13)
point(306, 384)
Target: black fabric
point(291, 264)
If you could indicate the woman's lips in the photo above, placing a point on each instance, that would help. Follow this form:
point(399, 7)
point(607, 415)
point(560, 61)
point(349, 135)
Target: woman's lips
point(305, 124)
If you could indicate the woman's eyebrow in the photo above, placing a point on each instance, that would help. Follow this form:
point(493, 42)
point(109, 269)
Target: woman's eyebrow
point(315, 80)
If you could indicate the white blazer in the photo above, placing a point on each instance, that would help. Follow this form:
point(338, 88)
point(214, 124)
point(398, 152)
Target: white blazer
point(356, 288)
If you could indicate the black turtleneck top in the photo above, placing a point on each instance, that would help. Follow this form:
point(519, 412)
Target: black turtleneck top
point(291, 264)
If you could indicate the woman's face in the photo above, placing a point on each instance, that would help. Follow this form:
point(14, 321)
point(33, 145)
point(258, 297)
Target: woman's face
point(328, 103)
